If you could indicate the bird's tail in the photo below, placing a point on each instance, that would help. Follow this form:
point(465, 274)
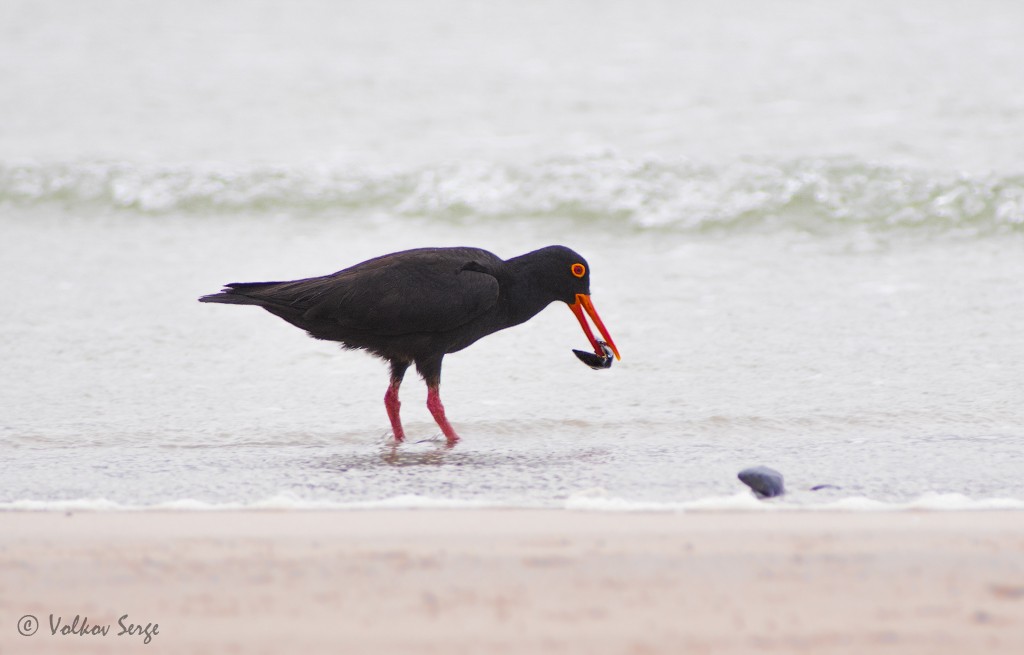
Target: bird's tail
point(237, 293)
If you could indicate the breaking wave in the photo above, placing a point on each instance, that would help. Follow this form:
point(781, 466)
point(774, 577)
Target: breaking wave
point(643, 194)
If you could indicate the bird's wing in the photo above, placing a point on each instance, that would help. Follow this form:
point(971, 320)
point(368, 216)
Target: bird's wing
point(430, 290)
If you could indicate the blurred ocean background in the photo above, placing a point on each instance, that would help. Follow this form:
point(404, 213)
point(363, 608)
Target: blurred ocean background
point(805, 223)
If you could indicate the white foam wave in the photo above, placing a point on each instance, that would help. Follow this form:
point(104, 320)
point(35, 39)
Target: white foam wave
point(739, 502)
point(746, 502)
point(645, 193)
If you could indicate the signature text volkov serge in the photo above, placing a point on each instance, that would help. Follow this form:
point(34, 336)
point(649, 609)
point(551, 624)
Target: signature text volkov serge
point(80, 626)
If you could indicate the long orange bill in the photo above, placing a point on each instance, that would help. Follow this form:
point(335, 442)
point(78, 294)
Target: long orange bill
point(583, 303)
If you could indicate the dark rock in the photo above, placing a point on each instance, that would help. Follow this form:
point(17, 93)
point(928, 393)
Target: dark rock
point(766, 482)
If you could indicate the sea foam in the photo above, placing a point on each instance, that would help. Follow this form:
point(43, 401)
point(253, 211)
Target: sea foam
point(643, 193)
point(739, 502)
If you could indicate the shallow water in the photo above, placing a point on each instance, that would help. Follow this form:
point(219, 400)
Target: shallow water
point(810, 258)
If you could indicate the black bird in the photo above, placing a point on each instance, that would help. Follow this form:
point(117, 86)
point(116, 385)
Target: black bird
point(417, 306)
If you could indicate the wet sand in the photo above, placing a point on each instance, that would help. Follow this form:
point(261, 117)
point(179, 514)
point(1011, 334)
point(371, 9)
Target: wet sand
point(514, 581)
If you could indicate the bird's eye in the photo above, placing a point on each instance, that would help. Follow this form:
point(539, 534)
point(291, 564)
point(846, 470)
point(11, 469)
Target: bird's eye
point(579, 270)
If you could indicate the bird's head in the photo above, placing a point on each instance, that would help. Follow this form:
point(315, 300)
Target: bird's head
point(567, 276)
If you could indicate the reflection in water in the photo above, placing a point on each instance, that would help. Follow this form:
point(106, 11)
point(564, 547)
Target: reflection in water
point(395, 455)
point(437, 452)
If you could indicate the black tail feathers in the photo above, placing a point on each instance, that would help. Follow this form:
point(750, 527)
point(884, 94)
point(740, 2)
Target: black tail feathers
point(237, 293)
point(228, 298)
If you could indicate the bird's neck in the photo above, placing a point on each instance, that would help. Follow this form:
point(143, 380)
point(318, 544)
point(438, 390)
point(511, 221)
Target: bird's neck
point(524, 289)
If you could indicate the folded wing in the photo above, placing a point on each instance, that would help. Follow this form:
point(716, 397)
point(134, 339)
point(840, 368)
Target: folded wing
point(427, 290)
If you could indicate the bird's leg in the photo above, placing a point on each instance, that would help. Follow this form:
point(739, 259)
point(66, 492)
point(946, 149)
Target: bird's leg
point(431, 372)
point(391, 402)
point(430, 369)
point(437, 411)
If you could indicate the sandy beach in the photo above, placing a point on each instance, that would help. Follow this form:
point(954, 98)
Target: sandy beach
point(512, 581)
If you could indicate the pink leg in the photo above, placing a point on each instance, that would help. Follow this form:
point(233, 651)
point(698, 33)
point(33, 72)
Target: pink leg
point(392, 405)
point(437, 411)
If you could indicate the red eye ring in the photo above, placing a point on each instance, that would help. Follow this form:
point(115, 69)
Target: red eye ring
point(579, 270)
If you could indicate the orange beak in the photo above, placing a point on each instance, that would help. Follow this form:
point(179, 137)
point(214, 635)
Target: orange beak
point(583, 303)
